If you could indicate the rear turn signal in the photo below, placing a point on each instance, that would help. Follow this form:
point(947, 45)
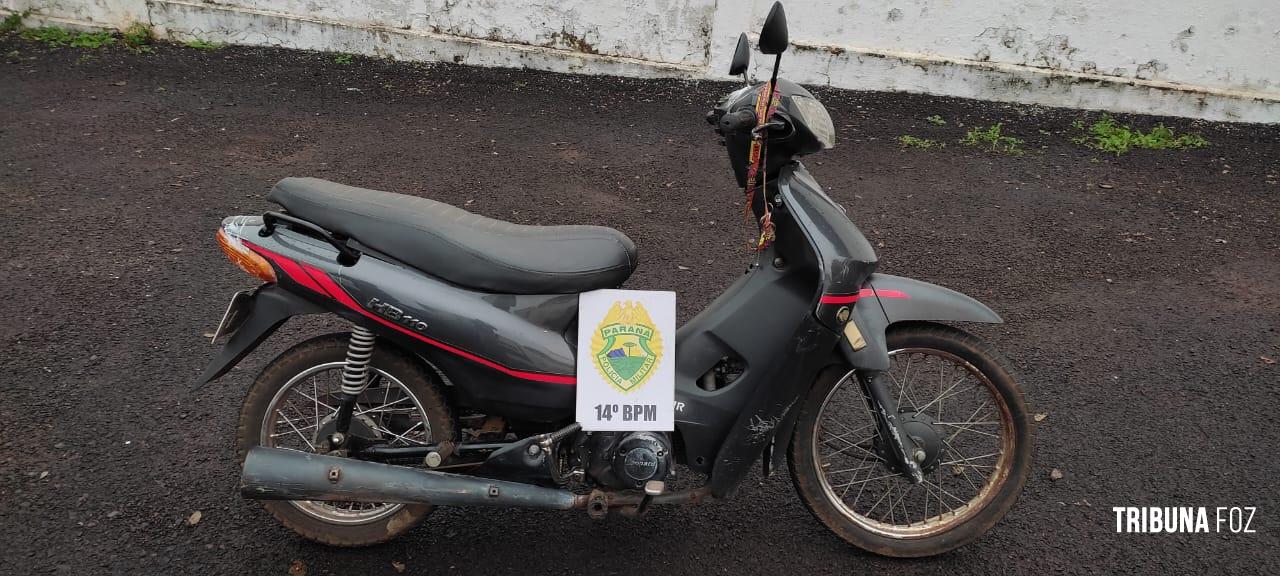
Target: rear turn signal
point(246, 259)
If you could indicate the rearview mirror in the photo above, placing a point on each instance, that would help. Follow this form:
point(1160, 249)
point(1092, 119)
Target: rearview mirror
point(773, 35)
point(741, 56)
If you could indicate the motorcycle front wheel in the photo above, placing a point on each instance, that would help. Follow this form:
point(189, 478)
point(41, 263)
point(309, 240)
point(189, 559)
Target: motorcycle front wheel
point(956, 397)
point(293, 405)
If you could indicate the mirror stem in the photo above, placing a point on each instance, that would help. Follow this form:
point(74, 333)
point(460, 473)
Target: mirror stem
point(773, 85)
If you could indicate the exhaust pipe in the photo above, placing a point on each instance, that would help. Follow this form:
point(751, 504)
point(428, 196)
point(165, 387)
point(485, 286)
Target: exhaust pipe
point(277, 474)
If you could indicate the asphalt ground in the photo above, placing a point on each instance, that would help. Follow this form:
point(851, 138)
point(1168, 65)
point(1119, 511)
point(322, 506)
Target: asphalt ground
point(1140, 293)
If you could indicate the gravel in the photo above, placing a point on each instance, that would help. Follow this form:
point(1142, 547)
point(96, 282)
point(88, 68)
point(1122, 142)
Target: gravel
point(1140, 294)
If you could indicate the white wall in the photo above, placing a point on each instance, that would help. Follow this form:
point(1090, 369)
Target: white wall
point(1215, 60)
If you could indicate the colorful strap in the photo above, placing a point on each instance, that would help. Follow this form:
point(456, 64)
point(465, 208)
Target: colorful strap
point(765, 106)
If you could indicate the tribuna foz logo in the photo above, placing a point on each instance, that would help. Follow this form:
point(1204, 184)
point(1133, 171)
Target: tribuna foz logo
point(1184, 519)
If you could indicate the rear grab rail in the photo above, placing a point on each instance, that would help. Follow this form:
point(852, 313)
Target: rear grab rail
point(347, 256)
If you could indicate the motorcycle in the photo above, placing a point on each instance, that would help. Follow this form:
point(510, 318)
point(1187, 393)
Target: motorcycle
point(455, 386)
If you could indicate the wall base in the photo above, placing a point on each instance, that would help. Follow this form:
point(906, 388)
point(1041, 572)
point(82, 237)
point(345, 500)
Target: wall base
point(836, 66)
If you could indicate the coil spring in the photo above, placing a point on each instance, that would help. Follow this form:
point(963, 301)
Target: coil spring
point(355, 375)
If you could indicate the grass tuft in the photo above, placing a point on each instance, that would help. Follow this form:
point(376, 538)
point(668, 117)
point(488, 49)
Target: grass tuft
point(62, 37)
point(12, 22)
point(909, 141)
point(342, 59)
point(1111, 136)
point(201, 44)
point(137, 37)
point(48, 35)
point(936, 120)
point(992, 137)
point(92, 40)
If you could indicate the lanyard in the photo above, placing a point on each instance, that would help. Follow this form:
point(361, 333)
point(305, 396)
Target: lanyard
point(756, 157)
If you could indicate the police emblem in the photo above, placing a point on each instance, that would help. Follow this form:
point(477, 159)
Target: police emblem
point(626, 347)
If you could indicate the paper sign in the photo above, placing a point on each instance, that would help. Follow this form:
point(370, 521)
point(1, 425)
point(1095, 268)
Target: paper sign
point(626, 360)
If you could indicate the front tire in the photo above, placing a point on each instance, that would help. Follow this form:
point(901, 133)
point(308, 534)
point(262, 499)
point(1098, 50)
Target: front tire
point(293, 400)
point(956, 394)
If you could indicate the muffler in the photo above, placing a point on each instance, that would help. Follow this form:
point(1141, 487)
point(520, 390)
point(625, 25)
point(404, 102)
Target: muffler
point(278, 474)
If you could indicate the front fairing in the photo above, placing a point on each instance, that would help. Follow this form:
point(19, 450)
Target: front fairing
point(775, 320)
point(844, 256)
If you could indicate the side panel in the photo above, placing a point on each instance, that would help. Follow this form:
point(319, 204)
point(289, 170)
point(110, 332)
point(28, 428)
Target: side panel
point(822, 252)
point(753, 322)
point(503, 353)
point(492, 326)
point(773, 406)
point(764, 320)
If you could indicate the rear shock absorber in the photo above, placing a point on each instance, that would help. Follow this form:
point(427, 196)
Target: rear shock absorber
point(355, 375)
point(355, 378)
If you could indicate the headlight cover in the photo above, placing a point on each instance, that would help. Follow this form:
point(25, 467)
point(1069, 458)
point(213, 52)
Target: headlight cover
point(814, 116)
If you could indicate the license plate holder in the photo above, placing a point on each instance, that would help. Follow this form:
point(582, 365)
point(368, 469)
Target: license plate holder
point(234, 317)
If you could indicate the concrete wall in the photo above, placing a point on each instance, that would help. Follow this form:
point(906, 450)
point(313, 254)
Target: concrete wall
point(1187, 58)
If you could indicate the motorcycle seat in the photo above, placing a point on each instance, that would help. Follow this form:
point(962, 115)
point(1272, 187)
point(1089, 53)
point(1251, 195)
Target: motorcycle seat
point(460, 247)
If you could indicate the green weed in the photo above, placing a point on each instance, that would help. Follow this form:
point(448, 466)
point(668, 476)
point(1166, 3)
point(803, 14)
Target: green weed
point(342, 59)
point(48, 35)
point(12, 22)
point(63, 37)
point(92, 40)
point(909, 141)
point(1111, 136)
point(201, 44)
point(993, 138)
point(936, 120)
point(138, 37)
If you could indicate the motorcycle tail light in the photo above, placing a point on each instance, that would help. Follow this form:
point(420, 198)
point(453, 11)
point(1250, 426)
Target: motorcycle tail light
point(246, 259)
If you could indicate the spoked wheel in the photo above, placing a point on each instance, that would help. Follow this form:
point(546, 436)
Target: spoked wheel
point(960, 404)
point(293, 404)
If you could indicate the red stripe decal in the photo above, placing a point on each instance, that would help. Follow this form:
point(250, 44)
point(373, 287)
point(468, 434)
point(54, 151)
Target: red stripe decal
point(863, 293)
point(316, 274)
point(289, 267)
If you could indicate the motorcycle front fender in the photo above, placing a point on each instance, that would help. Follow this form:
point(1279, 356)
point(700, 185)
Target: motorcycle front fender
point(896, 299)
point(269, 307)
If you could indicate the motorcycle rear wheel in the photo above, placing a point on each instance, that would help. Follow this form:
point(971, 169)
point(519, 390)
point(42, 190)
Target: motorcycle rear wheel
point(954, 392)
point(294, 398)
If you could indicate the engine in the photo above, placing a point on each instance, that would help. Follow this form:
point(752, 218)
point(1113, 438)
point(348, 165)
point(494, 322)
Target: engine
point(628, 459)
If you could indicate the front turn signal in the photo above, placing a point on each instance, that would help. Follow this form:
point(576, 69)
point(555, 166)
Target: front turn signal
point(246, 259)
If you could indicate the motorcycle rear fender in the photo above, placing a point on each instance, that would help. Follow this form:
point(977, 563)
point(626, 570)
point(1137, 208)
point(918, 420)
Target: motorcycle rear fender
point(270, 306)
point(896, 299)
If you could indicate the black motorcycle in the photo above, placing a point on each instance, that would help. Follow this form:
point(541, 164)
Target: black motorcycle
point(456, 383)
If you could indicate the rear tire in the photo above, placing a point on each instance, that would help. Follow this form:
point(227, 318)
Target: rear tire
point(329, 350)
point(828, 495)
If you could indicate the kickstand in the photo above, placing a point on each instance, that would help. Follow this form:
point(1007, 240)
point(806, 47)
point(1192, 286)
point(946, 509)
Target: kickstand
point(651, 488)
point(644, 505)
